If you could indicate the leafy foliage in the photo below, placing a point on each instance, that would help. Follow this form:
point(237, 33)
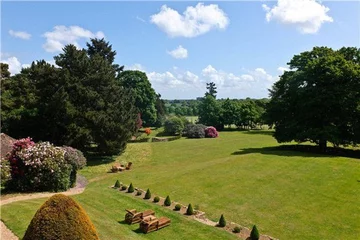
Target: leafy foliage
point(167, 201)
point(93, 111)
point(76, 159)
point(156, 199)
point(5, 175)
point(237, 229)
point(177, 207)
point(123, 187)
point(195, 130)
point(117, 184)
point(210, 132)
point(173, 126)
point(147, 194)
point(131, 188)
point(210, 112)
point(254, 235)
point(60, 217)
point(38, 167)
point(145, 96)
point(222, 221)
point(318, 100)
point(212, 89)
point(189, 210)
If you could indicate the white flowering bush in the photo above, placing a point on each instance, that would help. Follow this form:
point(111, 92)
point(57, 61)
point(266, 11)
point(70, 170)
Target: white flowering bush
point(40, 167)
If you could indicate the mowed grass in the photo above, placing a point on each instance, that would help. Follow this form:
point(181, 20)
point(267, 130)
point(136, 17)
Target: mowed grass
point(288, 195)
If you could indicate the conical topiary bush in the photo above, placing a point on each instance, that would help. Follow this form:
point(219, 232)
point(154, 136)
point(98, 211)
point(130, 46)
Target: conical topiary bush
point(190, 210)
point(147, 194)
point(222, 221)
point(254, 235)
point(167, 201)
point(60, 217)
point(131, 188)
point(117, 184)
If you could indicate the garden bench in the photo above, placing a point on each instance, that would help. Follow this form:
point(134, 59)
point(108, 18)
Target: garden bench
point(154, 225)
point(132, 216)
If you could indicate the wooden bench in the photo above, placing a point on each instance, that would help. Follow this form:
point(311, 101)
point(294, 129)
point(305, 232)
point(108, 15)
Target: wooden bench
point(132, 216)
point(154, 225)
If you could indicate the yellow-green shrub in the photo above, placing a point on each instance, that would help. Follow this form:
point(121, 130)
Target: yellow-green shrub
point(60, 217)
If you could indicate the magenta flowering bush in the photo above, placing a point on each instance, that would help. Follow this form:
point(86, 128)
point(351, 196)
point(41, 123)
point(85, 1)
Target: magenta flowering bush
point(210, 132)
point(38, 167)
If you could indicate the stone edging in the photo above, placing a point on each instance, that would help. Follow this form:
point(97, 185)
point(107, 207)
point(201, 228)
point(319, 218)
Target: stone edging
point(198, 216)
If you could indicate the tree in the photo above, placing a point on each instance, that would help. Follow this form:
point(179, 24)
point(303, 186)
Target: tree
point(222, 221)
point(210, 112)
point(189, 210)
point(167, 201)
point(144, 94)
point(4, 68)
point(212, 89)
point(160, 111)
point(92, 108)
point(229, 112)
point(254, 235)
point(318, 100)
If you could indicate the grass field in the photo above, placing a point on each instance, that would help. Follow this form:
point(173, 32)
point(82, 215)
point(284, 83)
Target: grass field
point(288, 195)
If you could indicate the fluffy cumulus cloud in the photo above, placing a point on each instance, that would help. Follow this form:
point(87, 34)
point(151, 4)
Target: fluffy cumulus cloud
point(193, 22)
point(136, 66)
point(283, 69)
point(19, 34)
point(306, 15)
point(179, 52)
point(62, 35)
point(15, 65)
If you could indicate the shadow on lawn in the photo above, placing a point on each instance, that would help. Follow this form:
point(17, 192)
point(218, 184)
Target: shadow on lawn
point(260, 132)
point(301, 150)
point(94, 160)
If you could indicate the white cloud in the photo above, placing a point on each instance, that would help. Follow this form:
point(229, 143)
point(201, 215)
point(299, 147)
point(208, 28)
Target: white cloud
point(306, 15)
point(14, 65)
point(19, 34)
point(136, 66)
point(62, 35)
point(179, 52)
point(283, 69)
point(193, 22)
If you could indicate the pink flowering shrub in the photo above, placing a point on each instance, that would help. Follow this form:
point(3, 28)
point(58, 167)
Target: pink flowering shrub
point(38, 167)
point(210, 132)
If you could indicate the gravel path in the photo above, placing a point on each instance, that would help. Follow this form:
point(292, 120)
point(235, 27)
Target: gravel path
point(7, 234)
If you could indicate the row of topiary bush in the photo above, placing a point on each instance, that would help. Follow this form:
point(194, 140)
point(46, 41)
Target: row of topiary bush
point(40, 166)
point(254, 235)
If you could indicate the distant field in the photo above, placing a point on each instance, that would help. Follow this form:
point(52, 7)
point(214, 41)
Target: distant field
point(288, 195)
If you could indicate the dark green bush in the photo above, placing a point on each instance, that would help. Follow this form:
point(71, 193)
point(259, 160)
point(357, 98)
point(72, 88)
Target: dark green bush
point(117, 184)
point(194, 131)
point(167, 201)
point(222, 221)
point(60, 217)
point(138, 193)
point(147, 194)
point(131, 188)
point(189, 210)
point(237, 229)
point(254, 235)
point(123, 187)
point(156, 199)
point(76, 159)
point(177, 207)
point(173, 126)
point(5, 172)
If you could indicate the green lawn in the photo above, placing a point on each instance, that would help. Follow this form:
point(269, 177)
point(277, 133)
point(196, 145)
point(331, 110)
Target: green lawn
point(288, 195)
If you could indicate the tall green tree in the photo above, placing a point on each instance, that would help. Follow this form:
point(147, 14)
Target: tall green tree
point(4, 68)
point(145, 95)
point(318, 100)
point(79, 104)
point(211, 87)
point(210, 112)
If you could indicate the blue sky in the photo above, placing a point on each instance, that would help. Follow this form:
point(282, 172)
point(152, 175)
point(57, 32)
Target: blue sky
point(242, 46)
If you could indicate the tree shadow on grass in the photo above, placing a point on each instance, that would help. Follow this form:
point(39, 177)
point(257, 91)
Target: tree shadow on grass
point(94, 160)
point(301, 150)
point(123, 222)
point(138, 230)
point(260, 132)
